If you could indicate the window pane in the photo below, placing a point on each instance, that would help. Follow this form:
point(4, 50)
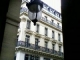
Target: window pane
point(46, 31)
point(52, 21)
point(52, 34)
point(27, 40)
point(46, 17)
point(57, 24)
point(31, 57)
point(36, 41)
point(28, 24)
point(36, 58)
point(59, 37)
point(53, 46)
point(46, 44)
point(37, 28)
point(60, 48)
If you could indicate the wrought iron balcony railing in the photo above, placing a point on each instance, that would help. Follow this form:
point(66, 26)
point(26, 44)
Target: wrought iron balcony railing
point(53, 24)
point(39, 48)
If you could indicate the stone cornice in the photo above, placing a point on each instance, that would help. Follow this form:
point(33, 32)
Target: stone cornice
point(59, 43)
point(37, 52)
point(37, 34)
point(53, 41)
point(28, 31)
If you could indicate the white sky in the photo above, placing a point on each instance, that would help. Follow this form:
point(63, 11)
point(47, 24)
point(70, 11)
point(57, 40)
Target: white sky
point(55, 4)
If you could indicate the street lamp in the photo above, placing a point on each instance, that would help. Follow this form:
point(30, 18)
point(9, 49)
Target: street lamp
point(35, 10)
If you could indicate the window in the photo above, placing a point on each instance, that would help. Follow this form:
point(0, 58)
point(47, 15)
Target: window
point(53, 46)
point(52, 21)
point(36, 58)
point(46, 31)
point(46, 18)
point(46, 58)
point(59, 37)
point(46, 43)
point(37, 28)
point(28, 24)
point(26, 56)
point(36, 41)
point(31, 57)
point(57, 24)
point(52, 34)
point(59, 48)
point(27, 40)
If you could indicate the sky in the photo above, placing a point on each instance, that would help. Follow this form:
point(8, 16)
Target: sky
point(55, 4)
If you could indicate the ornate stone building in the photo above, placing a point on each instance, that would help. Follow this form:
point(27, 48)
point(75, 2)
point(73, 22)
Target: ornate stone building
point(43, 41)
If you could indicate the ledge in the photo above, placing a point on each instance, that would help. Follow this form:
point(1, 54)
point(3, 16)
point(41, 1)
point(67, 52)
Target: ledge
point(37, 34)
point(28, 31)
point(60, 43)
point(39, 49)
point(37, 52)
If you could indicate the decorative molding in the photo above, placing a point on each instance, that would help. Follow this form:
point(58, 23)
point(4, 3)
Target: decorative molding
point(37, 34)
point(23, 19)
point(29, 31)
point(54, 41)
point(59, 43)
point(46, 38)
point(38, 49)
point(38, 52)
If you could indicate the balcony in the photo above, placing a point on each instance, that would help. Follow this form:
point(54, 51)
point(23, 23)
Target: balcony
point(39, 48)
point(60, 53)
point(50, 23)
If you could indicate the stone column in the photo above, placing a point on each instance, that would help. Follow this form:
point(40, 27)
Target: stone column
point(22, 29)
point(20, 55)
